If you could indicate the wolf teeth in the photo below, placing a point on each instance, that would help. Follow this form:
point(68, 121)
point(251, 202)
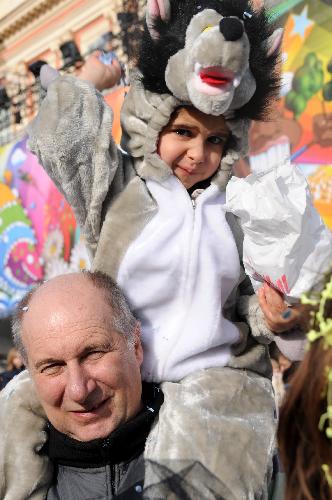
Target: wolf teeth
point(198, 68)
point(236, 82)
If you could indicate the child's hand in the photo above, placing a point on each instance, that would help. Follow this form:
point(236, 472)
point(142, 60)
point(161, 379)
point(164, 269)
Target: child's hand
point(278, 316)
point(102, 76)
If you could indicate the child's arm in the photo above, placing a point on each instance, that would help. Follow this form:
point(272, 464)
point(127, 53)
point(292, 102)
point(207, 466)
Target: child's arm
point(254, 355)
point(289, 323)
point(71, 136)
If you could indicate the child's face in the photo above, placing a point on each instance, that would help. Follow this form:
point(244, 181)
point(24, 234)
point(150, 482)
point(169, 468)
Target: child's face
point(192, 144)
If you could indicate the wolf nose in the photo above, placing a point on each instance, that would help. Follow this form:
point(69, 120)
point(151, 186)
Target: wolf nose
point(231, 28)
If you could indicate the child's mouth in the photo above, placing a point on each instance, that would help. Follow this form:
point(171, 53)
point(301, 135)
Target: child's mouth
point(187, 170)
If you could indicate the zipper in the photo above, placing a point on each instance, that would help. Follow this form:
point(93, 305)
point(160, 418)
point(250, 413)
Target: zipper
point(187, 282)
point(188, 272)
point(186, 298)
point(112, 467)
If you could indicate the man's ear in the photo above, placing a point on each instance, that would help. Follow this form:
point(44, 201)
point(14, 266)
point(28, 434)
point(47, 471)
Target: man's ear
point(157, 9)
point(137, 343)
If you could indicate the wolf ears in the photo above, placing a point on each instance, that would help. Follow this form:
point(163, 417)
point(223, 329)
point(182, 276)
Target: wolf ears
point(161, 9)
point(157, 9)
point(273, 43)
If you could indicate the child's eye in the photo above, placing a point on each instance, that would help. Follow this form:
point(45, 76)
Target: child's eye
point(216, 139)
point(183, 132)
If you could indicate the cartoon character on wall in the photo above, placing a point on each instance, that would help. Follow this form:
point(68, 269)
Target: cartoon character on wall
point(20, 265)
point(37, 227)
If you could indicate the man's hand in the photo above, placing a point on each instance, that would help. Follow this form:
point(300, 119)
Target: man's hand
point(102, 76)
point(278, 316)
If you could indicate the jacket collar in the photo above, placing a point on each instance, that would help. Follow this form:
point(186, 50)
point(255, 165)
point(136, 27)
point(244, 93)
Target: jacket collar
point(123, 444)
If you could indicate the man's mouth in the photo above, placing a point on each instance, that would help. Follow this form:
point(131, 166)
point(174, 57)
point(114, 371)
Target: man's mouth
point(92, 411)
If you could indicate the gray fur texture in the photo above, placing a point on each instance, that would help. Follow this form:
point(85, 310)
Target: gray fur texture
point(24, 473)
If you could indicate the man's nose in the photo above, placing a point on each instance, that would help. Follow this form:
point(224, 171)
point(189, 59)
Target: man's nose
point(231, 28)
point(79, 383)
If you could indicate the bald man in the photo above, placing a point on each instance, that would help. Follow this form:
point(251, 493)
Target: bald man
point(81, 345)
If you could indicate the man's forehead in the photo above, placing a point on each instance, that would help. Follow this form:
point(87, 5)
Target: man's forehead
point(74, 346)
point(77, 287)
point(63, 333)
point(64, 283)
point(59, 300)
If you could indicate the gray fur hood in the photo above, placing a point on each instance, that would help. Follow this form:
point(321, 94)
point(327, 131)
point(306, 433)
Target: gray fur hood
point(144, 114)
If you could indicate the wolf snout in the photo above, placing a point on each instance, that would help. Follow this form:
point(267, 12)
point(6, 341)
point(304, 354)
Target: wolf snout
point(231, 28)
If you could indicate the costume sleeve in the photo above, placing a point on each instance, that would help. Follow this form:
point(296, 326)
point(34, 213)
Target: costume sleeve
point(249, 308)
point(23, 472)
point(244, 298)
point(71, 137)
point(252, 350)
point(292, 344)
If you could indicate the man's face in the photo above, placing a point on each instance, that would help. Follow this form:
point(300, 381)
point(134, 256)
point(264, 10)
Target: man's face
point(87, 377)
point(192, 144)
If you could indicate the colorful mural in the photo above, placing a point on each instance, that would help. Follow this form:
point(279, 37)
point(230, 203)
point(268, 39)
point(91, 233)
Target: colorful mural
point(38, 233)
point(39, 237)
point(303, 125)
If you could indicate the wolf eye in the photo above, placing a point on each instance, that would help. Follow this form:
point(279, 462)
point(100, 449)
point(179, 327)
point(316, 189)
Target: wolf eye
point(207, 28)
point(246, 15)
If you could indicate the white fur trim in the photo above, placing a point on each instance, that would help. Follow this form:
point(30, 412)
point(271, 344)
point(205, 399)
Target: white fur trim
point(177, 276)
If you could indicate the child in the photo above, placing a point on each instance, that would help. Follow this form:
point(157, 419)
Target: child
point(153, 219)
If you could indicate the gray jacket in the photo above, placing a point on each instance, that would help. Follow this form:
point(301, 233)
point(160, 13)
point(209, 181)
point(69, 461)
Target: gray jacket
point(123, 481)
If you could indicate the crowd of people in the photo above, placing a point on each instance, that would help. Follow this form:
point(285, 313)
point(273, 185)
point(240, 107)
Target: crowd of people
point(150, 376)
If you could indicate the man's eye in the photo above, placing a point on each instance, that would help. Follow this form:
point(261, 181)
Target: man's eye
point(215, 139)
point(93, 355)
point(182, 132)
point(51, 369)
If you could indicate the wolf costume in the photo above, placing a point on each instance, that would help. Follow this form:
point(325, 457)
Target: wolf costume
point(203, 334)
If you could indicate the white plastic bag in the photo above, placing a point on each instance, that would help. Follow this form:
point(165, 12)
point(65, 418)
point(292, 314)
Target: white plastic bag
point(285, 241)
